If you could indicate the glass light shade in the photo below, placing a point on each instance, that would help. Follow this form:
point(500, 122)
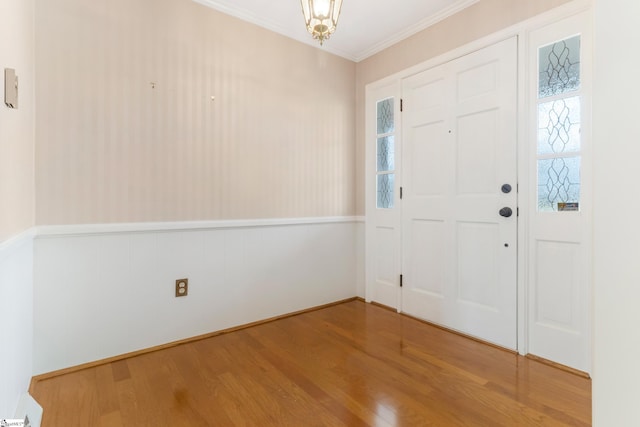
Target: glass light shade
point(321, 17)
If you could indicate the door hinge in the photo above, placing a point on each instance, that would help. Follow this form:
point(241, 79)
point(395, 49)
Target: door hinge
point(400, 193)
point(401, 105)
point(401, 280)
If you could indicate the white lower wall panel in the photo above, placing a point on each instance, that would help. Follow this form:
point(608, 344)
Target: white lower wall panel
point(360, 253)
point(16, 321)
point(102, 295)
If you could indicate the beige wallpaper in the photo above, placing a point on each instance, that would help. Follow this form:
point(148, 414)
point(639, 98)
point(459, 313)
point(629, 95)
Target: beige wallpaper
point(481, 19)
point(126, 129)
point(16, 126)
point(277, 141)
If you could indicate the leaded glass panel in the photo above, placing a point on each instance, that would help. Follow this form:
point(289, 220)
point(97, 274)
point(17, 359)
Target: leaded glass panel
point(559, 126)
point(385, 153)
point(559, 67)
point(385, 116)
point(558, 182)
point(386, 150)
point(385, 190)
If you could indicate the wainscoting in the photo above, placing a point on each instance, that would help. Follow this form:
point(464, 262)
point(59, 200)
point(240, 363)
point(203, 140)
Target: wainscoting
point(16, 328)
point(103, 291)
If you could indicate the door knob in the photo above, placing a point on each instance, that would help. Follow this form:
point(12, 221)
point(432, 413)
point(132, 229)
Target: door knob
point(506, 188)
point(506, 212)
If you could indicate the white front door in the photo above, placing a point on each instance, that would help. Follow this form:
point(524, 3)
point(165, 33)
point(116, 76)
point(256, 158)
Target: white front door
point(459, 208)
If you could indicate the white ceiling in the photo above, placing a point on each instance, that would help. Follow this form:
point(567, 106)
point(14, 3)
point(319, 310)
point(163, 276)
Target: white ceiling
point(365, 27)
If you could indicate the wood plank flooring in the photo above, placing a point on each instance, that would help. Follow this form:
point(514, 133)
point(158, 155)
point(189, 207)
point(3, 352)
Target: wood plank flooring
point(353, 364)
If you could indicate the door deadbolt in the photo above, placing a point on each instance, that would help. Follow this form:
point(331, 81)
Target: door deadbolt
point(506, 212)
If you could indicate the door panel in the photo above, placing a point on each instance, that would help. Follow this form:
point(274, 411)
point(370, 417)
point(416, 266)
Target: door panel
point(459, 254)
point(477, 275)
point(557, 287)
point(476, 155)
point(478, 80)
point(385, 256)
point(428, 174)
point(427, 239)
point(428, 93)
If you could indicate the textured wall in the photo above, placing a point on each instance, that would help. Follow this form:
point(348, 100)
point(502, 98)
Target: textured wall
point(278, 141)
point(479, 20)
point(16, 126)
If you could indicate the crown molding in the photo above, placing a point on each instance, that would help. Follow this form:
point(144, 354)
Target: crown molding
point(416, 28)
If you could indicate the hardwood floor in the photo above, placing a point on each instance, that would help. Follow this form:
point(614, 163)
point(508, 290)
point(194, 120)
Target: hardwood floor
point(353, 364)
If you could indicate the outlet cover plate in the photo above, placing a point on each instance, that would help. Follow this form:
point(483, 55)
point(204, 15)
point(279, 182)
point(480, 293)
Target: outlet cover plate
point(182, 287)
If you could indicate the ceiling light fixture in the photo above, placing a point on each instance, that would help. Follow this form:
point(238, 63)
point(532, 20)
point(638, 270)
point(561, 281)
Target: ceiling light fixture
point(321, 17)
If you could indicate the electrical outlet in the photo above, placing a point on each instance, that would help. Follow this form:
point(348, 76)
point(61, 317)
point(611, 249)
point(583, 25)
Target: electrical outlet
point(182, 287)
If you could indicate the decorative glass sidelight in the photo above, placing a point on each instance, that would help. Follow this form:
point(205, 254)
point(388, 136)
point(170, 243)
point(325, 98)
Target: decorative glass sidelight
point(385, 116)
point(559, 67)
point(559, 184)
point(385, 190)
point(559, 126)
point(558, 133)
point(385, 154)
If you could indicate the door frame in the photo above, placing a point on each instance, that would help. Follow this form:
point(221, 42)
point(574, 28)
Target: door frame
point(520, 30)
